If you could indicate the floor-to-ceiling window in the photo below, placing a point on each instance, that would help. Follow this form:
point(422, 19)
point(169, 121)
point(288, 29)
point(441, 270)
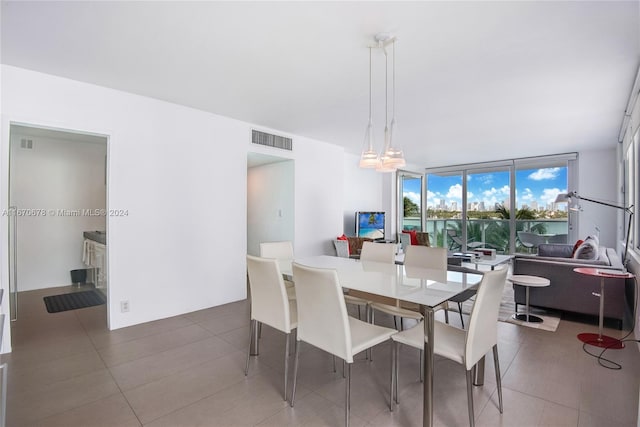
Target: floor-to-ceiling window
point(444, 208)
point(489, 207)
point(538, 183)
point(492, 204)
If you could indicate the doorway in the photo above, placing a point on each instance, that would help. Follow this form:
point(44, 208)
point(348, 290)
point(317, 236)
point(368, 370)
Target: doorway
point(57, 192)
point(270, 200)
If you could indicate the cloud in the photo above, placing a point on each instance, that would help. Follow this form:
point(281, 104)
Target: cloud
point(546, 173)
point(527, 195)
point(549, 195)
point(413, 196)
point(455, 192)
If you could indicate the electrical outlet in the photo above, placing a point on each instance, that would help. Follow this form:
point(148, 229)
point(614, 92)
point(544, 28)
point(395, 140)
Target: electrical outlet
point(124, 306)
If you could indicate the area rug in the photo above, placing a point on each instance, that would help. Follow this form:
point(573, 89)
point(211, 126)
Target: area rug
point(73, 301)
point(550, 320)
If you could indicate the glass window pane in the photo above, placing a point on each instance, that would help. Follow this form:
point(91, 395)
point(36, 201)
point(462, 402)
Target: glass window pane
point(488, 205)
point(444, 210)
point(538, 218)
point(411, 203)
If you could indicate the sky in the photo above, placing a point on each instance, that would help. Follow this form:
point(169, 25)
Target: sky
point(540, 185)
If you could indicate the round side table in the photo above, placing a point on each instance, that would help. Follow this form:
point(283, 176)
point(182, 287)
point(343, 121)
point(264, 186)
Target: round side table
point(528, 282)
point(599, 340)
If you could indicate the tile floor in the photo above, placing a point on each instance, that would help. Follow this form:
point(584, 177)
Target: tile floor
point(67, 369)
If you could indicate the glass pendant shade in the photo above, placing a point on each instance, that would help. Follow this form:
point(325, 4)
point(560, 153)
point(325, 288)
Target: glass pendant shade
point(369, 158)
point(385, 165)
point(394, 157)
point(390, 158)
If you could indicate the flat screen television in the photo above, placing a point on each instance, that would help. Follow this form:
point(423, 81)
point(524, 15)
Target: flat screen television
point(370, 224)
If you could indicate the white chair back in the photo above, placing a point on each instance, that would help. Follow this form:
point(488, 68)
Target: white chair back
point(426, 257)
point(482, 334)
point(378, 252)
point(342, 248)
point(269, 301)
point(278, 250)
point(322, 313)
point(405, 241)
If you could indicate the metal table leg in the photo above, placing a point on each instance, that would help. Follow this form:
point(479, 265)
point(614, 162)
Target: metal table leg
point(427, 404)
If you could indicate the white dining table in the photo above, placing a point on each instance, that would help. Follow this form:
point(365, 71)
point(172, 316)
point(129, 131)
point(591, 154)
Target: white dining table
point(427, 287)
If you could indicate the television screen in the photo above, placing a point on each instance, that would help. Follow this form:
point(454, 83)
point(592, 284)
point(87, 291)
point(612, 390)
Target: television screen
point(370, 224)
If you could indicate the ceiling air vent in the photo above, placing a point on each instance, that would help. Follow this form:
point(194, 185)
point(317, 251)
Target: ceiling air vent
point(27, 144)
point(270, 140)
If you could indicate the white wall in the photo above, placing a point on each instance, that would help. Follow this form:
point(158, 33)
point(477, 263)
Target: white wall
point(55, 175)
point(597, 179)
point(182, 175)
point(270, 204)
point(363, 192)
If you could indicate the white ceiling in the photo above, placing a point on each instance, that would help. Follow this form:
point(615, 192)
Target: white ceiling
point(475, 80)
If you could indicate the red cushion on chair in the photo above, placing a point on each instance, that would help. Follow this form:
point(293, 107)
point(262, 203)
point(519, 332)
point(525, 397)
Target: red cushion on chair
point(575, 247)
point(412, 234)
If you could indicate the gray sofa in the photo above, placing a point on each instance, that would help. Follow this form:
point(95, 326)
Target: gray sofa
point(570, 291)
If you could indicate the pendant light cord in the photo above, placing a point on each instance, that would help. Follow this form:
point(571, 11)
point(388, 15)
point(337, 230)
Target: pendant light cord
point(393, 99)
point(386, 89)
point(370, 85)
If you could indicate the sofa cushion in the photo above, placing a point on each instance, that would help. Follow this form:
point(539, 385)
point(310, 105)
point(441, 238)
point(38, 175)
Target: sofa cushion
point(587, 250)
point(558, 250)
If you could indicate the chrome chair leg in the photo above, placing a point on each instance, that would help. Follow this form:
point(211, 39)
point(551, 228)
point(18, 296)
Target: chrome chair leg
point(286, 364)
point(496, 363)
point(421, 366)
point(295, 374)
point(347, 406)
point(394, 362)
point(397, 369)
point(470, 397)
point(251, 332)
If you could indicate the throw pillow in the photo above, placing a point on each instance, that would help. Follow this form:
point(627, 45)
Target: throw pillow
point(413, 235)
point(587, 250)
point(575, 248)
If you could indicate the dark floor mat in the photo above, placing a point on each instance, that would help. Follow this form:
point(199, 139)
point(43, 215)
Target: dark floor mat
point(73, 301)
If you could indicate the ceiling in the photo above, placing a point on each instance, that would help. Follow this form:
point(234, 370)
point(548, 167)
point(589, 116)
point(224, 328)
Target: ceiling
point(476, 81)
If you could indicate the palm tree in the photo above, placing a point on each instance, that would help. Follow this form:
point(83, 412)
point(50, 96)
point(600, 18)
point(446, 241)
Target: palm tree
point(498, 231)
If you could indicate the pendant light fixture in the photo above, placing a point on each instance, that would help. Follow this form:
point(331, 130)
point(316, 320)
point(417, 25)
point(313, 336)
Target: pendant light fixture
point(391, 157)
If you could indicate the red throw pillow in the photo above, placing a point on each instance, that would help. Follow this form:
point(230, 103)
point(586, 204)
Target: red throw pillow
point(575, 247)
point(343, 237)
point(413, 235)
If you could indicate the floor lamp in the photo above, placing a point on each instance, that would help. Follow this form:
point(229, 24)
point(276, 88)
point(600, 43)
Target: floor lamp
point(566, 198)
point(600, 340)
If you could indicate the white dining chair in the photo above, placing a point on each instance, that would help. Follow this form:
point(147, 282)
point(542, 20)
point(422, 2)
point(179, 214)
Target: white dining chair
point(323, 323)
point(415, 256)
point(378, 252)
point(280, 251)
point(270, 305)
point(464, 347)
